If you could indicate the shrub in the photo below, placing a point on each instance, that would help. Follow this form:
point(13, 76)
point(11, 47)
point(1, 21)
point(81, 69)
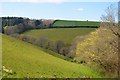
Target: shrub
point(42, 42)
point(64, 51)
point(59, 45)
point(101, 48)
point(16, 35)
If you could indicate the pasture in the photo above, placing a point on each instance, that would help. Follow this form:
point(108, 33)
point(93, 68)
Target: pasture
point(64, 34)
point(75, 23)
point(29, 61)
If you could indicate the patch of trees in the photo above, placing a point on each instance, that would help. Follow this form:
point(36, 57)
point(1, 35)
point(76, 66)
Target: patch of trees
point(47, 23)
point(13, 25)
point(11, 21)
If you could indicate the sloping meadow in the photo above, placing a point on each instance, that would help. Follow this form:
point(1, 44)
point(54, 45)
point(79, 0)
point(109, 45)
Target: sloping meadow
point(24, 60)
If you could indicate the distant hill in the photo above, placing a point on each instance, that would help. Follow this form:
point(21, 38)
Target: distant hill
point(28, 61)
point(13, 25)
point(68, 23)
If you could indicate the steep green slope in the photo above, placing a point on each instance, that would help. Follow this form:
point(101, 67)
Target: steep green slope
point(65, 34)
point(27, 60)
point(0, 55)
point(75, 23)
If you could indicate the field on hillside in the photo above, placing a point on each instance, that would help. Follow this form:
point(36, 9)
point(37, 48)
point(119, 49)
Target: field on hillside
point(0, 55)
point(75, 23)
point(65, 34)
point(27, 60)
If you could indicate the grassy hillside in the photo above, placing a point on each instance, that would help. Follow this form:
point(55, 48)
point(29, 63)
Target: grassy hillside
point(27, 60)
point(75, 23)
point(65, 34)
point(0, 55)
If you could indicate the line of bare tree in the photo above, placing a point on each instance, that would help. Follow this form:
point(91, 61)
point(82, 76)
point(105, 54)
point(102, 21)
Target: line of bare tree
point(56, 46)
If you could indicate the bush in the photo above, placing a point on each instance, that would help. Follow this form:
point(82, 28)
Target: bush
point(16, 35)
point(59, 45)
point(27, 38)
point(101, 48)
point(64, 51)
point(42, 42)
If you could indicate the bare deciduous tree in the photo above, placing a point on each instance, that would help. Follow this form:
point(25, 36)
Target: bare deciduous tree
point(108, 20)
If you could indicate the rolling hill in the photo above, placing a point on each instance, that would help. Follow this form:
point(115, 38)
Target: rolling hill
point(65, 34)
point(27, 60)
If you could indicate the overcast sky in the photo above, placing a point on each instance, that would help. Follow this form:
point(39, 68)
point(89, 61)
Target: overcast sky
point(54, 9)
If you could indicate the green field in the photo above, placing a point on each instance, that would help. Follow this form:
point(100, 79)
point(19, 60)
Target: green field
point(65, 34)
point(75, 23)
point(0, 55)
point(27, 60)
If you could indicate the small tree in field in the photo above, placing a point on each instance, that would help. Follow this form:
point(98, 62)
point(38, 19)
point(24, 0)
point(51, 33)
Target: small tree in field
point(64, 51)
point(42, 42)
point(108, 20)
point(59, 45)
